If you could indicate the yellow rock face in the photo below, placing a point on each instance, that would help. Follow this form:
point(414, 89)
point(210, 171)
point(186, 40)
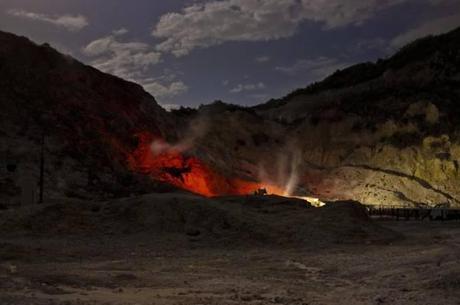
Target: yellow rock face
point(391, 164)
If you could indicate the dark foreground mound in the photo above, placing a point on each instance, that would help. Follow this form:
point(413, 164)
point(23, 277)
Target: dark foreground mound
point(231, 220)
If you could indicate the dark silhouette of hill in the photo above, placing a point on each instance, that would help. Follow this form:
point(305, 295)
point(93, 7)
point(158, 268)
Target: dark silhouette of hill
point(439, 53)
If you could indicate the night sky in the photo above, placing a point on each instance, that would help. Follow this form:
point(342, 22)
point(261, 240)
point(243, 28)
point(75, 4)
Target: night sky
point(239, 51)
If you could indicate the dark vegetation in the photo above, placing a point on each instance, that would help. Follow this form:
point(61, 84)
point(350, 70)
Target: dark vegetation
point(441, 53)
point(260, 139)
point(184, 111)
point(403, 139)
point(220, 106)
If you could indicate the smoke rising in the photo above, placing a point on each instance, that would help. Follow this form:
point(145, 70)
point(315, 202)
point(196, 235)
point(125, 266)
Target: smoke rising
point(293, 180)
point(284, 171)
point(288, 170)
point(196, 129)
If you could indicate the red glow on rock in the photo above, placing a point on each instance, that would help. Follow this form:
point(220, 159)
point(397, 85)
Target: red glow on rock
point(187, 172)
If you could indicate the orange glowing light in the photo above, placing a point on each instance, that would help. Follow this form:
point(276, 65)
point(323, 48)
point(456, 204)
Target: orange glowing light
point(188, 172)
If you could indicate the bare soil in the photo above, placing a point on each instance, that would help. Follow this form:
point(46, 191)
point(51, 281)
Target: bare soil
point(191, 262)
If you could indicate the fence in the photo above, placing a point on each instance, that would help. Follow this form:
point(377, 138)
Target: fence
point(405, 213)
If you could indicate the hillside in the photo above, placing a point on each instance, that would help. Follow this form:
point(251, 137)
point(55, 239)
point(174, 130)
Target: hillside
point(432, 60)
point(89, 121)
point(378, 133)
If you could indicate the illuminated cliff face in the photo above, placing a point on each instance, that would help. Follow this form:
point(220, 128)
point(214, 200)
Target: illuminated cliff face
point(385, 133)
point(392, 162)
point(188, 172)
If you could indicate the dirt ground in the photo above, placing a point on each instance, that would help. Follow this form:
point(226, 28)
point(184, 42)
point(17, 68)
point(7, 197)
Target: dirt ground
point(422, 267)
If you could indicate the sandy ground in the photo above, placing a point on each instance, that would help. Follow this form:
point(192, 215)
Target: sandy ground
point(422, 268)
point(184, 249)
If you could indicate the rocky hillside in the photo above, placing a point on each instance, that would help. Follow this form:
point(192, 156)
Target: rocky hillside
point(379, 133)
point(88, 121)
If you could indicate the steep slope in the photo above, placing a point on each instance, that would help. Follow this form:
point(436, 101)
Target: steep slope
point(428, 67)
point(380, 133)
point(89, 121)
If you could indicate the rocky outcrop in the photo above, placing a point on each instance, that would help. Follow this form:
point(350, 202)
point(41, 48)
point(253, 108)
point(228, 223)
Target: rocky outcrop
point(87, 119)
point(379, 133)
point(384, 133)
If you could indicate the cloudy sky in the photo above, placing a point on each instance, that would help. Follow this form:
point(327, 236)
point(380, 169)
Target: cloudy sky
point(239, 51)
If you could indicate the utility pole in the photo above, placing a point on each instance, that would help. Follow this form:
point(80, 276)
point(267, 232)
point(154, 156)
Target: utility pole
point(42, 168)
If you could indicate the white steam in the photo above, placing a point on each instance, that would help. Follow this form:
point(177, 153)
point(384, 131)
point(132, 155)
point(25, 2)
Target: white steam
point(293, 178)
point(196, 129)
point(285, 172)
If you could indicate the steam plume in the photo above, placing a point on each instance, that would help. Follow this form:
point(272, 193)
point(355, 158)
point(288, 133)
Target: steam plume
point(287, 170)
point(197, 128)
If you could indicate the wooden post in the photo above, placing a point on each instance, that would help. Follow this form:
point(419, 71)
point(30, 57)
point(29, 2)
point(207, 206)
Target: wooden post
point(42, 169)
